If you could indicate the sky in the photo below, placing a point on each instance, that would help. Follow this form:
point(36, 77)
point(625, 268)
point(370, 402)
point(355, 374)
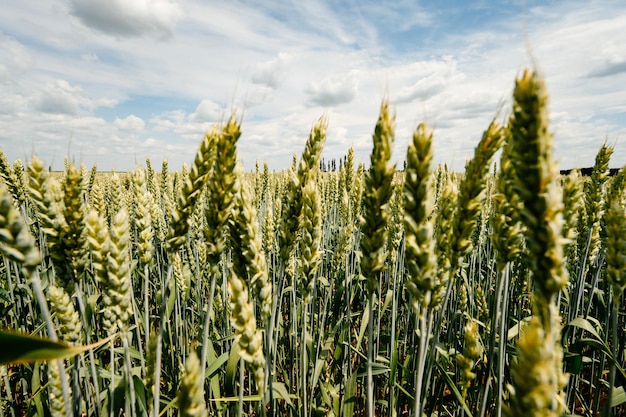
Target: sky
point(113, 82)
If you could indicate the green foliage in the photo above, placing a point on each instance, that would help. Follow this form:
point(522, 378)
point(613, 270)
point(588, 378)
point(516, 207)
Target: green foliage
point(17, 348)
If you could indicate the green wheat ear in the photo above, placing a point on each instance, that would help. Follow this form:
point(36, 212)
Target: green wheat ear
point(16, 242)
point(222, 190)
point(150, 370)
point(70, 326)
point(191, 396)
point(143, 218)
point(292, 204)
point(472, 351)
point(247, 249)
point(311, 238)
point(537, 373)
point(538, 377)
point(249, 338)
point(72, 236)
point(193, 184)
point(11, 180)
point(55, 390)
point(38, 180)
point(472, 191)
point(536, 177)
point(573, 205)
point(507, 230)
point(423, 282)
point(615, 241)
point(378, 191)
point(116, 295)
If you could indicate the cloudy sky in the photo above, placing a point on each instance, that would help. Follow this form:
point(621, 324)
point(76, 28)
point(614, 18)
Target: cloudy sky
point(112, 82)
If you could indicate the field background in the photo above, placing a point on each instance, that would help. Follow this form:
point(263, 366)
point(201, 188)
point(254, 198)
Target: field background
point(325, 289)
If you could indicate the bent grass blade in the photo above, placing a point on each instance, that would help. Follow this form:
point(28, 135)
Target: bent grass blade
point(17, 348)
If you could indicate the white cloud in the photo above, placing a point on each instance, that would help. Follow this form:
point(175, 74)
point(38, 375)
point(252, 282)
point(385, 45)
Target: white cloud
point(150, 142)
point(60, 97)
point(333, 91)
point(103, 102)
point(15, 59)
point(257, 95)
point(323, 19)
point(131, 124)
point(190, 127)
point(130, 18)
point(609, 68)
point(13, 104)
point(271, 73)
point(207, 111)
point(90, 57)
point(431, 85)
point(400, 15)
point(169, 120)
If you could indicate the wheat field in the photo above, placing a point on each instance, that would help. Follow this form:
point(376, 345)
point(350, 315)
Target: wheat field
point(359, 291)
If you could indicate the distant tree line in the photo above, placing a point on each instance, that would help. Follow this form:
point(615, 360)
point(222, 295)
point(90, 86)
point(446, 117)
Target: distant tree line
point(334, 165)
point(586, 172)
point(331, 165)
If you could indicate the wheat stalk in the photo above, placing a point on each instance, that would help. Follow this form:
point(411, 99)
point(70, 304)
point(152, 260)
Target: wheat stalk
point(538, 375)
